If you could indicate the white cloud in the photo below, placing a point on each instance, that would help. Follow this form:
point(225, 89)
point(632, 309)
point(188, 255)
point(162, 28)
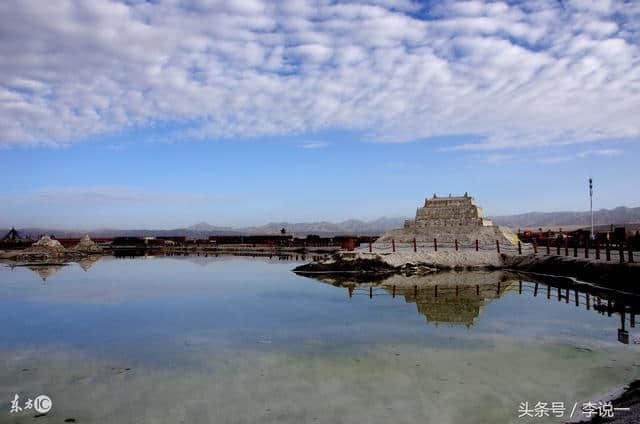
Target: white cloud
point(101, 195)
point(534, 74)
point(315, 145)
point(600, 152)
point(499, 158)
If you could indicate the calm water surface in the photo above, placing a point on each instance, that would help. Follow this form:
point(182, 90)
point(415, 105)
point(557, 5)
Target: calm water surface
point(241, 340)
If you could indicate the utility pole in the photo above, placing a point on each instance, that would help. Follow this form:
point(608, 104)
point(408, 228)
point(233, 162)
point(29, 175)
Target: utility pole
point(591, 205)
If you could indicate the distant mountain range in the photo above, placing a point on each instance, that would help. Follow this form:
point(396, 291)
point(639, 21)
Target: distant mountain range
point(620, 215)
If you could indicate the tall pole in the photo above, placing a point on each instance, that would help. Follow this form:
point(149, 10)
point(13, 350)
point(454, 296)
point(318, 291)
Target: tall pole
point(591, 205)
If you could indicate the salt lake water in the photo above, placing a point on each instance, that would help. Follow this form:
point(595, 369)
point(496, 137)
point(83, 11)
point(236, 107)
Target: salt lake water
point(245, 340)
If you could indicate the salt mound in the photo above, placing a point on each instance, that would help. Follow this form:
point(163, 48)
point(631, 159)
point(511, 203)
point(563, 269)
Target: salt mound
point(87, 245)
point(47, 244)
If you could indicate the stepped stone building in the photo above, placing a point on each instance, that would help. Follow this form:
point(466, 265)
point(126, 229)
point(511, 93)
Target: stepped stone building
point(448, 219)
point(459, 211)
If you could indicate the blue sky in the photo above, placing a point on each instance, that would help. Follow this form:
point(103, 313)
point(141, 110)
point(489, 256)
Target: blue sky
point(163, 114)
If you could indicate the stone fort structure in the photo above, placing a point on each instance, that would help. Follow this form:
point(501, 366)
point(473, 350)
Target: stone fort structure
point(459, 211)
point(448, 219)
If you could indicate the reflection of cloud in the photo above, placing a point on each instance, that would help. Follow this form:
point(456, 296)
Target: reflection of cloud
point(514, 74)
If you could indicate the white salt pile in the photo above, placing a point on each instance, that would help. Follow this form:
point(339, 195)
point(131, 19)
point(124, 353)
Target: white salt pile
point(86, 245)
point(48, 245)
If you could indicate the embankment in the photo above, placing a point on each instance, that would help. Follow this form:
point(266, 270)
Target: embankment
point(619, 276)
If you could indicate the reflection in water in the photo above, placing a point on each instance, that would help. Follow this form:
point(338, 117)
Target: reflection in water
point(45, 271)
point(228, 339)
point(454, 298)
point(87, 263)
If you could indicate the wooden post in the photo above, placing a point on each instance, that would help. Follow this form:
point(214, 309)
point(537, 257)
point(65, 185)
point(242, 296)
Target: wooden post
point(588, 301)
point(535, 290)
point(548, 291)
point(477, 290)
point(415, 291)
point(608, 251)
point(476, 245)
point(577, 298)
point(435, 245)
point(370, 292)
point(575, 248)
point(548, 247)
point(586, 249)
point(519, 286)
point(566, 246)
point(519, 248)
point(567, 299)
point(393, 293)
point(370, 247)
point(621, 253)
point(393, 245)
point(350, 291)
point(597, 250)
point(630, 254)
point(498, 246)
point(632, 319)
point(415, 247)
point(559, 294)
point(456, 243)
point(535, 247)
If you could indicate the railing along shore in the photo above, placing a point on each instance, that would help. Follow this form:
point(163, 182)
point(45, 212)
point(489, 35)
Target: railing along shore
point(607, 253)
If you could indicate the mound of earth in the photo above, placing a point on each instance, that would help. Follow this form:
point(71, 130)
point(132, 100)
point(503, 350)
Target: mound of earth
point(86, 245)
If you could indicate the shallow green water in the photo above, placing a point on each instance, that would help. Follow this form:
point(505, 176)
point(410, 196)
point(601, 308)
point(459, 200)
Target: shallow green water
point(241, 340)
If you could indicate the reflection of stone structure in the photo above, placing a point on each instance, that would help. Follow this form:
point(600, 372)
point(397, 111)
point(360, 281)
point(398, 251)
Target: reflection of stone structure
point(87, 263)
point(454, 307)
point(45, 271)
point(449, 218)
point(455, 298)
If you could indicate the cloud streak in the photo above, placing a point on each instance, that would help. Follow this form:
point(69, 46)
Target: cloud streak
point(315, 145)
point(510, 75)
